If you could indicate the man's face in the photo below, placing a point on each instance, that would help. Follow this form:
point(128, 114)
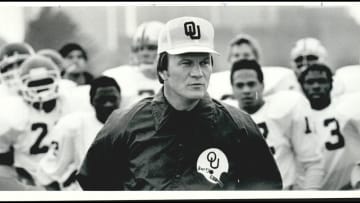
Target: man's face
point(302, 61)
point(76, 58)
point(247, 88)
point(105, 101)
point(188, 75)
point(242, 51)
point(146, 54)
point(316, 86)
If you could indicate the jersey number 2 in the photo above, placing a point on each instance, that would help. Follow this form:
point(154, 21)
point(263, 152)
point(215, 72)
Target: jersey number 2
point(336, 132)
point(35, 148)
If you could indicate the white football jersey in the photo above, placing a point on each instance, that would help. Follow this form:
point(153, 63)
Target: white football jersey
point(134, 85)
point(275, 80)
point(279, 78)
point(79, 98)
point(339, 127)
point(283, 121)
point(28, 131)
point(346, 80)
point(5, 91)
point(66, 85)
point(73, 134)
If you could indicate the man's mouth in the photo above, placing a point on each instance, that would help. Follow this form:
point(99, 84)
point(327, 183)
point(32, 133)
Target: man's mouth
point(196, 84)
point(315, 96)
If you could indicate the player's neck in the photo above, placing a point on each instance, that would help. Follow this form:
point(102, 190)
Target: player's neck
point(320, 104)
point(253, 109)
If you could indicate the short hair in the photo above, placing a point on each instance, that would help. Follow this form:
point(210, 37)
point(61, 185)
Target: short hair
point(246, 39)
point(316, 67)
point(246, 64)
point(102, 81)
point(163, 63)
point(69, 47)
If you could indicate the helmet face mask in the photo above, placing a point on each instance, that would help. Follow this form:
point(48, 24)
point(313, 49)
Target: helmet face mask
point(40, 79)
point(40, 85)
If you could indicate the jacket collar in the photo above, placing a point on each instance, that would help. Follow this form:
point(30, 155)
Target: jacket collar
point(162, 110)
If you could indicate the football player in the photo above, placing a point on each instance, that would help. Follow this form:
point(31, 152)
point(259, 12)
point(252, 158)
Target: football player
point(307, 51)
point(283, 120)
point(336, 123)
point(12, 55)
point(76, 63)
point(139, 80)
point(74, 134)
point(241, 47)
point(27, 121)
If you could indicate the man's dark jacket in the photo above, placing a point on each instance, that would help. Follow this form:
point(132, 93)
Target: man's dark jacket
point(152, 146)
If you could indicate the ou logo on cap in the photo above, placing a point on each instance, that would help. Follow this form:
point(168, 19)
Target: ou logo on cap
point(211, 164)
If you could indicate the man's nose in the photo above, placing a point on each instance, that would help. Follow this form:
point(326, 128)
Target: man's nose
point(196, 71)
point(108, 104)
point(316, 86)
point(246, 89)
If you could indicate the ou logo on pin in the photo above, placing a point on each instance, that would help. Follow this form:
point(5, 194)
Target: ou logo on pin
point(211, 164)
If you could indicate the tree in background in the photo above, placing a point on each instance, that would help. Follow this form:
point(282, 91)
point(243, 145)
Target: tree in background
point(50, 29)
point(54, 28)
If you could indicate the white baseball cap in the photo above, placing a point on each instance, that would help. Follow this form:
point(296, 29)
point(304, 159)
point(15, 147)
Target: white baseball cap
point(187, 34)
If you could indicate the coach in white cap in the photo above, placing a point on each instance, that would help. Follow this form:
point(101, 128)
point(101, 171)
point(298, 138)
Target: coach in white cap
point(181, 139)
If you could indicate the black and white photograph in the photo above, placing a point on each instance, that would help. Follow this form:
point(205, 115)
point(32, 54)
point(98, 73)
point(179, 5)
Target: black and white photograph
point(179, 100)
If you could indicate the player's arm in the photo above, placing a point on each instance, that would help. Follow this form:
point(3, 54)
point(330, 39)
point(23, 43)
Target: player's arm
point(59, 160)
point(355, 176)
point(353, 127)
point(307, 147)
point(7, 137)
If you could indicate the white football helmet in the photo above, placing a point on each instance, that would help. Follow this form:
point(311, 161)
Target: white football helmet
point(145, 42)
point(306, 52)
point(40, 79)
point(55, 56)
point(12, 55)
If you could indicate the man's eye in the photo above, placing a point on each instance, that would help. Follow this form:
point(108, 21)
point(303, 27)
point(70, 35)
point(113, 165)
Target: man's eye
point(186, 63)
point(239, 85)
point(251, 84)
point(309, 82)
point(322, 81)
point(203, 63)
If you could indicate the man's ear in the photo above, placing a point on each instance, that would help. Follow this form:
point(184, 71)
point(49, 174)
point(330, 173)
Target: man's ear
point(164, 75)
point(262, 88)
